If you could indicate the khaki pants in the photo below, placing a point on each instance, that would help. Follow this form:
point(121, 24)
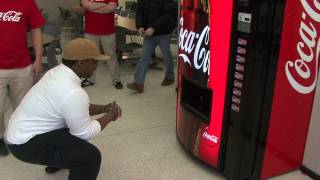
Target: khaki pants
point(108, 43)
point(14, 84)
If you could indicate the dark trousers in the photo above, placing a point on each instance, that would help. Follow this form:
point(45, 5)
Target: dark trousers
point(60, 149)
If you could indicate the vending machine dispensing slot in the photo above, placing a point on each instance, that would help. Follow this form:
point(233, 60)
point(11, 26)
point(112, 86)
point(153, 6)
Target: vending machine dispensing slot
point(195, 99)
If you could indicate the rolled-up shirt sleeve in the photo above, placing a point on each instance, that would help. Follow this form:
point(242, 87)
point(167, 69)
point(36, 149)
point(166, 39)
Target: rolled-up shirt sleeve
point(75, 110)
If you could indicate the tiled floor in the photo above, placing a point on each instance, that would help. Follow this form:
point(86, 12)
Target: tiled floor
point(141, 145)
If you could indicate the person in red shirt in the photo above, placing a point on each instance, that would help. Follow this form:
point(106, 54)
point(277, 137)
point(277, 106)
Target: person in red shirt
point(99, 27)
point(16, 68)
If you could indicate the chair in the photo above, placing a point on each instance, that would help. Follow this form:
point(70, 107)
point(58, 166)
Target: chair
point(54, 48)
point(65, 20)
point(131, 5)
point(130, 9)
point(64, 16)
point(125, 45)
point(77, 24)
point(124, 13)
point(118, 10)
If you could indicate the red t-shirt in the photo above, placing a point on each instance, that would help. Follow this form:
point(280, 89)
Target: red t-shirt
point(99, 24)
point(16, 18)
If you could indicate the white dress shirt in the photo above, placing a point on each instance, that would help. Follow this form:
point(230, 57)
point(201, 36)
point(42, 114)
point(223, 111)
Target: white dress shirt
point(56, 101)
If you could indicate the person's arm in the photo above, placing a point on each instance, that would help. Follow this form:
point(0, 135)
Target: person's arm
point(99, 7)
point(75, 111)
point(37, 46)
point(91, 6)
point(96, 109)
point(139, 15)
point(107, 8)
point(112, 114)
point(34, 22)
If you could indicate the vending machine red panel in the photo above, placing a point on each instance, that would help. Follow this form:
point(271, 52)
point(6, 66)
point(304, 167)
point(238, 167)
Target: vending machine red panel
point(202, 76)
point(294, 87)
point(220, 19)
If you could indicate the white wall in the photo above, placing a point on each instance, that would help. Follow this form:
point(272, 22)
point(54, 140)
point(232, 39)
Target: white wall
point(51, 7)
point(311, 158)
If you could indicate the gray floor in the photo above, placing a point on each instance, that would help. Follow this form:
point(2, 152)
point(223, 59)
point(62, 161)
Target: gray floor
point(141, 145)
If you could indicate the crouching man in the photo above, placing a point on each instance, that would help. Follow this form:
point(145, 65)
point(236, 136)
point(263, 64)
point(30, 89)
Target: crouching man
point(52, 124)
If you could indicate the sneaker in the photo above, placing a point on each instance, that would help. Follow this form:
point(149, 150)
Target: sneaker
point(136, 87)
point(167, 81)
point(3, 148)
point(86, 83)
point(51, 170)
point(118, 85)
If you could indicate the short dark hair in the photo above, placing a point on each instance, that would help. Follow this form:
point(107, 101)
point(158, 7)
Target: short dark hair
point(69, 63)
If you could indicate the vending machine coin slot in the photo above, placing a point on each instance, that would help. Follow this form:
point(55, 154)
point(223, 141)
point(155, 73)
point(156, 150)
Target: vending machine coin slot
point(244, 22)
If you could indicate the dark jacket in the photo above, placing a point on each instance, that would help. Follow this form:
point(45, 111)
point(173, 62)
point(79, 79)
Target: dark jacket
point(158, 14)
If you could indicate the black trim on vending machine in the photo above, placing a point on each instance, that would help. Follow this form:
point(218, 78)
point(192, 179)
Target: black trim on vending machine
point(246, 130)
point(278, 11)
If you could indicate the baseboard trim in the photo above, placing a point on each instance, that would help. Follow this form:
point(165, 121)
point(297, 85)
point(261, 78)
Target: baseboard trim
point(310, 173)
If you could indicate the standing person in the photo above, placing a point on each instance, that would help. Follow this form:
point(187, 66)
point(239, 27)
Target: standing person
point(52, 124)
point(155, 20)
point(16, 68)
point(100, 28)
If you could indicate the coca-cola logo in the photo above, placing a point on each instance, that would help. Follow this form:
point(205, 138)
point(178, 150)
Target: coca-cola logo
point(209, 137)
point(10, 16)
point(308, 49)
point(192, 42)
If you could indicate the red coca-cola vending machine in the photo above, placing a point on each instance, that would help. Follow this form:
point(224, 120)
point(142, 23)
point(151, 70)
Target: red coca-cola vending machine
point(246, 79)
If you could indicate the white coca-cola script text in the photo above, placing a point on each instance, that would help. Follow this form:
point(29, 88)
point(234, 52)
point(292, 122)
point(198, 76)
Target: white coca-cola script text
point(308, 49)
point(10, 16)
point(190, 41)
point(209, 137)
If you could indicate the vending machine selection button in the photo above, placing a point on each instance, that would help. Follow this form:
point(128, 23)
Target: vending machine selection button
point(235, 100)
point(238, 76)
point(240, 67)
point(242, 41)
point(237, 84)
point(235, 107)
point(237, 92)
point(240, 59)
point(241, 50)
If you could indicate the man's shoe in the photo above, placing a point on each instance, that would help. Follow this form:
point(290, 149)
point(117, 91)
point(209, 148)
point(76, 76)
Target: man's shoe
point(136, 87)
point(86, 83)
point(118, 85)
point(51, 170)
point(167, 81)
point(3, 148)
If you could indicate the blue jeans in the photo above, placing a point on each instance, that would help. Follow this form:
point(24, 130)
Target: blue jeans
point(149, 46)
